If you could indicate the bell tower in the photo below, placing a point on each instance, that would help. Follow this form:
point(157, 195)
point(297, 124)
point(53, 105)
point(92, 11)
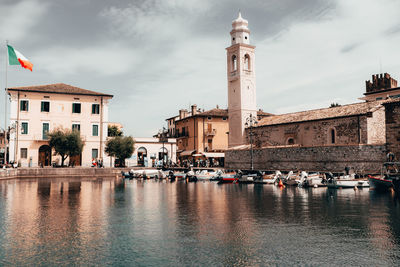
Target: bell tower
point(241, 81)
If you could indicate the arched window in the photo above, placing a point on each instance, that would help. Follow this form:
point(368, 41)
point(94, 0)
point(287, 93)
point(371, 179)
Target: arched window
point(141, 156)
point(332, 136)
point(290, 141)
point(246, 62)
point(234, 63)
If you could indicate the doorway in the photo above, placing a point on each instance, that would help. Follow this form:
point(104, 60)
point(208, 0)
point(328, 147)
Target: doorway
point(44, 155)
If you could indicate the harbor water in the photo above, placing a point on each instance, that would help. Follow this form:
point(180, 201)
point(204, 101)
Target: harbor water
point(103, 222)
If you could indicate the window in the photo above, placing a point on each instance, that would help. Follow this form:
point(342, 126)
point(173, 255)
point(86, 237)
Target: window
point(332, 136)
point(24, 153)
point(246, 62)
point(24, 105)
point(24, 128)
point(45, 130)
point(209, 118)
point(45, 106)
point(76, 107)
point(234, 63)
point(76, 127)
point(95, 130)
point(224, 118)
point(95, 153)
point(95, 109)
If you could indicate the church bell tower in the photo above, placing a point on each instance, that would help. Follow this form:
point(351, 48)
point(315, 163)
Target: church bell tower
point(241, 81)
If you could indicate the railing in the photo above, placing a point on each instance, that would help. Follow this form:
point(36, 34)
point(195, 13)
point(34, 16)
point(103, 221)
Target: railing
point(211, 133)
point(233, 73)
point(181, 135)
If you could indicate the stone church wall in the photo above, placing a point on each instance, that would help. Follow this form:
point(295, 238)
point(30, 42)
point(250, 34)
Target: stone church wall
point(393, 128)
point(363, 158)
point(349, 130)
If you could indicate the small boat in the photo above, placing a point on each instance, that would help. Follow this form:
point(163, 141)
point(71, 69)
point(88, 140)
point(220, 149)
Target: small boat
point(380, 183)
point(127, 175)
point(311, 180)
point(206, 175)
point(343, 183)
point(268, 179)
point(388, 179)
point(190, 177)
point(180, 175)
point(226, 178)
point(291, 179)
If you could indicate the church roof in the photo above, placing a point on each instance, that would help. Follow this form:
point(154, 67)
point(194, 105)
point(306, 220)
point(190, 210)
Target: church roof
point(58, 88)
point(321, 114)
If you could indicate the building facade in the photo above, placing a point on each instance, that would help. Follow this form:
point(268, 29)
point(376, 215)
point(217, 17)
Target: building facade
point(37, 110)
point(150, 152)
point(241, 81)
point(357, 135)
point(202, 133)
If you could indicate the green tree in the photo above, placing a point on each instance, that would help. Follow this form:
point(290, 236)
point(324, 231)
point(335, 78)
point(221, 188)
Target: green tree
point(120, 147)
point(333, 105)
point(114, 131)
point(66, 143)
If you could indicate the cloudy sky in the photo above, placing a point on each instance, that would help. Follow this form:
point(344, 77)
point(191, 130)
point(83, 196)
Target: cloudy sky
point(157, 56)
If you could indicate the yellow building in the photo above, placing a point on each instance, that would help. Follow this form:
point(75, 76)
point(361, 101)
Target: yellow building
point(201, 134)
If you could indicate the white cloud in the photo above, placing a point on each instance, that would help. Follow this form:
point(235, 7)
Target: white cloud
point(320, 61)
point(105, 59)
point(17, 20)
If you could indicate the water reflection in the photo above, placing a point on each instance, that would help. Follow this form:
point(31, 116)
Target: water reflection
point(114, 222)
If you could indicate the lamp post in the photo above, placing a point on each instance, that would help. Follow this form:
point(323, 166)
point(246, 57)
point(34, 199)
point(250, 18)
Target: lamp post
point(162, 134)
point(251, 121)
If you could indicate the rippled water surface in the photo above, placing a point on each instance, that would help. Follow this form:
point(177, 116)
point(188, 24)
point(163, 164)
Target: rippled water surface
point(57, 222)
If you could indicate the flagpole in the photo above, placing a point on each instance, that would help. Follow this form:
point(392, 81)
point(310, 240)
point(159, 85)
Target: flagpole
point(5, 108)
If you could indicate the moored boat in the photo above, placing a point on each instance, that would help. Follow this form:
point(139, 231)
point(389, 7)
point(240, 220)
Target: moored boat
point(380, 183)
point(268, 179)
point(228, 178)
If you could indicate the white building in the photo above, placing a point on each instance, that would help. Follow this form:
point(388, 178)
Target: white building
point(149, 152)
point(36, 110)
point(241, 81)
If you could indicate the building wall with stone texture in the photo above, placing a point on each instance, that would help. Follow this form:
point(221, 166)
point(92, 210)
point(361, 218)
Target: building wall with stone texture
point(362, 158)
point(393, 128)
point(348, 130)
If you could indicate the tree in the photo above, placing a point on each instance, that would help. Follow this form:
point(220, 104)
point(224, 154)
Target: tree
point(114, 131)
point(120, 147)
point(333, 105)
point(66, 143)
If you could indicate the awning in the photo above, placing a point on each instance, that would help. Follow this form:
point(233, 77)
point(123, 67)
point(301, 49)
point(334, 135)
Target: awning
point(214, 155)
point(186, 153)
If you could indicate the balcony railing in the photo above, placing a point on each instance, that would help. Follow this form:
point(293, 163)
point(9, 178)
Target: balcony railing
point(211, 133)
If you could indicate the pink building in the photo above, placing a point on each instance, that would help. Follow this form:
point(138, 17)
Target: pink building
point(36, 110)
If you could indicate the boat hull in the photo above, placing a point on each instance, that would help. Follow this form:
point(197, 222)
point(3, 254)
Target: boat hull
point(379, 183)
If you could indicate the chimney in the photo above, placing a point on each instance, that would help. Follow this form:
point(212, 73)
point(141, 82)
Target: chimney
point(194, 110)
point(182, 113)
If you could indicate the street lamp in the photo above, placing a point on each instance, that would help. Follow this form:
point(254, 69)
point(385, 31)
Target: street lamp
point(162, 135)
point(251, 121)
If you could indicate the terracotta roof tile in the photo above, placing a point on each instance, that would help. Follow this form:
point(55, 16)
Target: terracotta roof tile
point(325, 113)
point(58, 88)
point(214, 112)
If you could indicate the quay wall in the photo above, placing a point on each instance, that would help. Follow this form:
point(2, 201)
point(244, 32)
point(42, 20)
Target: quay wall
point(362, 158)
point(58, 172)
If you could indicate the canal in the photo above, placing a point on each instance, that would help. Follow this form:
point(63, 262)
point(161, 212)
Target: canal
point(49, 222)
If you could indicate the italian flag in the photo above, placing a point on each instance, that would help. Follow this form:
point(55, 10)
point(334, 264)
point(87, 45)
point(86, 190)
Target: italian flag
point(16, 58)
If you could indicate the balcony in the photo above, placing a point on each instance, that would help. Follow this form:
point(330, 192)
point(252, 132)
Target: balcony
point(182, 135)
point(213, 132)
